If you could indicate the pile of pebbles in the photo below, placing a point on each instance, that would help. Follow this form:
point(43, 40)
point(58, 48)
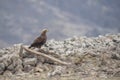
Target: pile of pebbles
point(103, 57)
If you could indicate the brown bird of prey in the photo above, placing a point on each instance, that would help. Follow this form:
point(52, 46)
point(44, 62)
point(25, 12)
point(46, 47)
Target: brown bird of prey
point(41, 40)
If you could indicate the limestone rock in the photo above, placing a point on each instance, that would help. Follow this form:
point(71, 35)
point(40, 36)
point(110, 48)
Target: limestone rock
point(2, 68)
point(30, 61)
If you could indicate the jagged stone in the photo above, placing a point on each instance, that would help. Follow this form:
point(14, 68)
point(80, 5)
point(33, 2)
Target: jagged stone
point(30, 61)
point(7, 73)
point(116, 56)
point(28, 68)
point(58, 70)
point(2, 68)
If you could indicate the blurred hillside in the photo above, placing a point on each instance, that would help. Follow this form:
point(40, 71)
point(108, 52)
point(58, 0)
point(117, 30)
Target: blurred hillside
point(22, 20)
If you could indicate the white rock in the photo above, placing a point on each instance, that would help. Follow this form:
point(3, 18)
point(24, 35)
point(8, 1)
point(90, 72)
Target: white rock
point(30, 61)
point(2, 67)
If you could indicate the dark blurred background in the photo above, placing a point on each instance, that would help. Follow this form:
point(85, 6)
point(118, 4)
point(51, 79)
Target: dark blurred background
point(22, 20)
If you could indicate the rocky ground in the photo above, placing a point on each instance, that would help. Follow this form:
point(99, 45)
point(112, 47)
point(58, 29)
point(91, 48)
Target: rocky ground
point(94, 58)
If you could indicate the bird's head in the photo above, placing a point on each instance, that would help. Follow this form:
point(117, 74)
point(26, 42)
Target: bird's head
point(44, 31)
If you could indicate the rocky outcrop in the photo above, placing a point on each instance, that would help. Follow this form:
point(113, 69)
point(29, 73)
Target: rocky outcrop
point(94, 56)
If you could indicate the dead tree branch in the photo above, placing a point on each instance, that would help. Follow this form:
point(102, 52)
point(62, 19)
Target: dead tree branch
point(46, 56)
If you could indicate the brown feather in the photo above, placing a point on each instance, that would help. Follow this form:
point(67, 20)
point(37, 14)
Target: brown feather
point(39, 41)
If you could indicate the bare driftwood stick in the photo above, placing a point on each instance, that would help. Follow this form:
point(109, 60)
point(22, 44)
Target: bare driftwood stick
point(47, 56)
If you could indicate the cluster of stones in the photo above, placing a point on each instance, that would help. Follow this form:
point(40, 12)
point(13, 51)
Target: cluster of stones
point(79, 45)
point(104, 51)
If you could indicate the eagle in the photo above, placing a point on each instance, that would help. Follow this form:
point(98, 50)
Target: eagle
point(39, 41)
